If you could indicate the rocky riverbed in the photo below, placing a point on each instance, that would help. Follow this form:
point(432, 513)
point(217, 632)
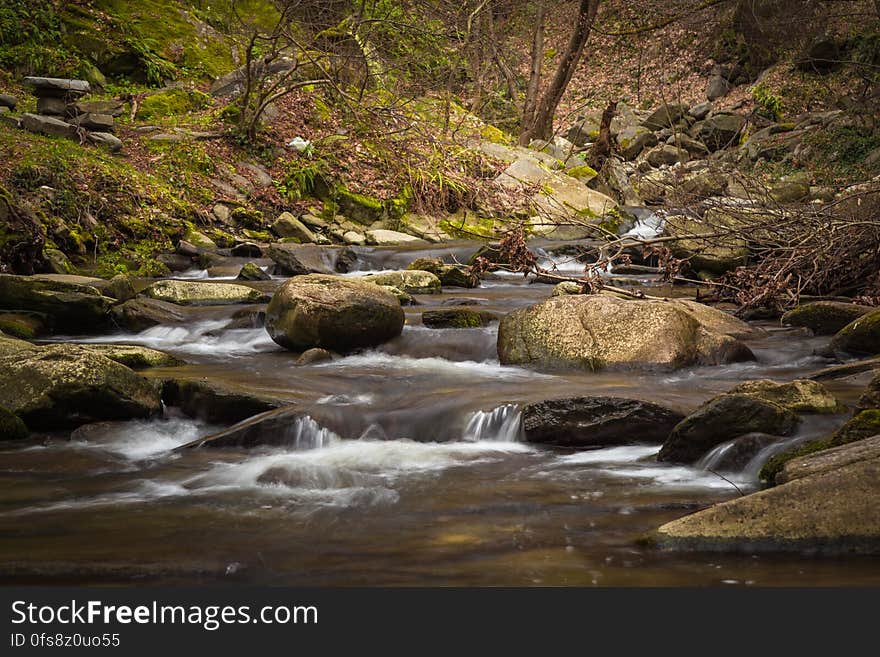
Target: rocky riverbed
point(182, 431)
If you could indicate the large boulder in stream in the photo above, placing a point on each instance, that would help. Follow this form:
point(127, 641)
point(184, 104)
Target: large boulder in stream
point(64, 386)
point(825, 317)
point(299, 259)
point(70, 307)
point(800, 396)
point(585, 422)
point(410, 281)
point(193, 293)
point(861, 336)
point(596, 332)
point(722, 419)
point(829, 508)
point(142, 313)
point(333, 313)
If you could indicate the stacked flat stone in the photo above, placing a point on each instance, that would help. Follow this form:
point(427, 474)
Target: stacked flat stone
point(61, 112)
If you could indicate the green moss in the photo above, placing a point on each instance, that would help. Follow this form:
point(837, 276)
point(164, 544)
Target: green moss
point(582, 172)
point(360, 208)
point(172, 102)
point(494, 135)
point(11, 426)
point(861, 426)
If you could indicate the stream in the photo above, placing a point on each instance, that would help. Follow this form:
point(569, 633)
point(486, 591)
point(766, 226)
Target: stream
point(410, 469)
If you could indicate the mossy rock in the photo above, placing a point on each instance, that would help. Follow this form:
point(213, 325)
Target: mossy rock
point(362, 209)
point(24, 325)
point(134, 356)
point(721, 419)
point(70, 306)
point(410, 281)
point(172, 102)
point(449, 275)
point(863, 425)
point(861, 336)
point(191, 293)
point(825, 317)
point(65, 386)
point(11, 426)
point(801, 396)
point(454, 318)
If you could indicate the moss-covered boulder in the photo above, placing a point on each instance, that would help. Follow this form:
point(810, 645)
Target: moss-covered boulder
point(409, 281)
point(69, 307)
point(64, 386)
point(215, 402)
point(597, 332)
point(24, 325)
point(172, 102)
point(871, 397)
point(449, 275)
point(120, 288)
point(863, 425)
point(721, 419)
point(134, 356)
point(362, 209)
point(139, 314)
point(861, 336)
point(299, 259)
point(251, 271)
point(801, 396)
point(332, 313)
point(588, 422)
point(11, 426)
point(830, 459)
point(455, 318)
point(825, 317)
point(192, 293)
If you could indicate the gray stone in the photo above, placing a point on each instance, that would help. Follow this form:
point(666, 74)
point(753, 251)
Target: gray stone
point(112, 107)
point(381, 237)
point(195, 293)
point(58, 87)
point(298, 259)
point(105, 140)
point(665, 155)
point(700, 111)
point(47, 125)
point(721, 130)
point(288, 226)
point(8, 101)
point(51, 106)
point(95, 122)
point(261, 177)
point(588, 422)
point(717, 87)
point(252, 272)
point(633, 140)
point(665, 116)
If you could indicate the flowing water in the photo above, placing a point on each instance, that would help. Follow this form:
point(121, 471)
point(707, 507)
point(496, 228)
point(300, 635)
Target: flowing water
point(408, 469)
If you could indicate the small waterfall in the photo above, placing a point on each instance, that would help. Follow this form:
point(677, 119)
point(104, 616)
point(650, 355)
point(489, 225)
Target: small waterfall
point(501, 424)
point(304, 433)
point(715, 456)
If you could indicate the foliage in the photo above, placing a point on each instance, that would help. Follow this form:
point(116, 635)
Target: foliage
point(768, 104)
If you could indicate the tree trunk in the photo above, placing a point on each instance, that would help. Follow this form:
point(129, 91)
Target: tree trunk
point(541, 125)
point(602, 149)
point(531, 101)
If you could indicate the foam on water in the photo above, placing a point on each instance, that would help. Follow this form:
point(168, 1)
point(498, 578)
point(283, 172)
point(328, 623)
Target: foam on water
point(205, 338)
point(624, 454)
point(383, 361)
point(139, 439)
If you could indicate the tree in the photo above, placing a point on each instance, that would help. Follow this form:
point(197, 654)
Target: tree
point(538, 122)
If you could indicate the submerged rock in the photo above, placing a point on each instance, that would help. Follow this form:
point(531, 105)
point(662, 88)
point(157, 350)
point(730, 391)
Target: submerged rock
point(721, 419)
point(409, 281)
point(597, 332)
point(312, 356)
point(597, 421)
point(191, 293)
point(332, 313)
point(64, 386)
point(825, 317)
